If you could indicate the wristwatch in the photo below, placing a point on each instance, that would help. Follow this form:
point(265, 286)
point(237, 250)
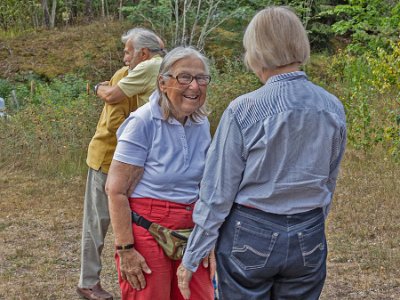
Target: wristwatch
point(124, 247)
point(96, 87)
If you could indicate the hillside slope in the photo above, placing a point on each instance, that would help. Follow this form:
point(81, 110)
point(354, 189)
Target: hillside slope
point(94, 51)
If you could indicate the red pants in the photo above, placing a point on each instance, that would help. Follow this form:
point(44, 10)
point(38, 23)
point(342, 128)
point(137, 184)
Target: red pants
point(162, 283)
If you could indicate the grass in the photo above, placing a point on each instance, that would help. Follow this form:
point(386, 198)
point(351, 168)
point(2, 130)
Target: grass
point(40, 231)
point(42, 170)
point(364, 257)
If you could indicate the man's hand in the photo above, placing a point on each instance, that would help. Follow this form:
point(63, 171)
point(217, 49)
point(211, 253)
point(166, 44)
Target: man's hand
point(132, 266)
point(184, 277)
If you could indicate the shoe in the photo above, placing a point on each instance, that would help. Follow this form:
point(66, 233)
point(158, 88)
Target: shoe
point(96, 292)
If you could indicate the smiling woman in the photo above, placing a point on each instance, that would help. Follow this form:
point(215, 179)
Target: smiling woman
point(156, 172)
point(182, 84)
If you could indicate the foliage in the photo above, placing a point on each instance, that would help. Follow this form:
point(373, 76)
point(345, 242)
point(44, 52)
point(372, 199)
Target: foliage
point(184, 22)
point(5, 88)
point(369, 87)
point(370, 24)
point(226, 85)
point(190, 22)
point(26, 14)
point(57, 121)
point(18, 14)
point(56, 118)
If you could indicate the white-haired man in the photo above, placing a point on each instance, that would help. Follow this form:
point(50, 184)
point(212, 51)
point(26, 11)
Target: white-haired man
point(128, 89)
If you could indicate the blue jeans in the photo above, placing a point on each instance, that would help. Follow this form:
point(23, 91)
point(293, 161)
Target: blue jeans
point(271, 257)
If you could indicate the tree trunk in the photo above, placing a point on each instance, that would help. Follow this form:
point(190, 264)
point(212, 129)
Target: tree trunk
point(120, 15)
point(53, 14)
point(46, 14)
point(107, 11)
point(102, 9)
point(88, 11)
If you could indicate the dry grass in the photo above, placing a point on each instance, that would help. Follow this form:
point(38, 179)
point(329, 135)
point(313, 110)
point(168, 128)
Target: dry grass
point(94, 50)
point(363, 230)
point(40, 229)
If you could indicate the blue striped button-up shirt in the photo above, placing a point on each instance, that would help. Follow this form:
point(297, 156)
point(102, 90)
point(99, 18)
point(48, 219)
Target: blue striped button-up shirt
point(276, 149)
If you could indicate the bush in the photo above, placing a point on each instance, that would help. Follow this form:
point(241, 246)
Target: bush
point(52, 128)
point(369, 86)
point(226, 85)
point(51, 131)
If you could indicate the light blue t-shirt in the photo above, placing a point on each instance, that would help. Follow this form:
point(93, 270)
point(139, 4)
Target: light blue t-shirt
point(172, 154)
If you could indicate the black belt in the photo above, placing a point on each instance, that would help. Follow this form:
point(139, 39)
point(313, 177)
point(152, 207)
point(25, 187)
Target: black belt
point(141, 221)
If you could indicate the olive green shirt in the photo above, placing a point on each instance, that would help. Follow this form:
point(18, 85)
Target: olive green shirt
point(140, 82)
point(102, 146)
point(137, 84)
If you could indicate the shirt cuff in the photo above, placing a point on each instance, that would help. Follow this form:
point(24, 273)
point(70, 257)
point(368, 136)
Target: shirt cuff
point(198, 247)
point(190, 262)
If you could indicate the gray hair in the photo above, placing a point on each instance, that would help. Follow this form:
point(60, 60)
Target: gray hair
point(274, 38)
point(167, 65)
point(144, 38)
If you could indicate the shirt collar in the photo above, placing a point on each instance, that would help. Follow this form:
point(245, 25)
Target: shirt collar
point(155, 57)
point(286, 77)
point(154, 106)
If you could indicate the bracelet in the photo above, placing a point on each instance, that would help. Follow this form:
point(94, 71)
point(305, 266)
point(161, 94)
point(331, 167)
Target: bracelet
point(124, 247)
point(96, 87)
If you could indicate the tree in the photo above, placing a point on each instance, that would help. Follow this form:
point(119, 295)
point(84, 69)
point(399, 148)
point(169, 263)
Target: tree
point(369, 24)
point(183, 22)
point(53, 14)
point(46, 15)
point(88, 10)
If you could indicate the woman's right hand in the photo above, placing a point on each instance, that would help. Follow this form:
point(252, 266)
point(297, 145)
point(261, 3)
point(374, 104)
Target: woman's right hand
point(132, 265)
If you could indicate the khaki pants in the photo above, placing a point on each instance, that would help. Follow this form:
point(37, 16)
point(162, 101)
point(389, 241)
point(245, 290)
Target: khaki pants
point(96, 219)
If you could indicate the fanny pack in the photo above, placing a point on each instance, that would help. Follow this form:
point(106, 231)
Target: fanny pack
point(173, 242)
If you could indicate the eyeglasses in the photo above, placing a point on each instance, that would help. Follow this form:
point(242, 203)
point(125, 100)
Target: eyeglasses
point(187, 79)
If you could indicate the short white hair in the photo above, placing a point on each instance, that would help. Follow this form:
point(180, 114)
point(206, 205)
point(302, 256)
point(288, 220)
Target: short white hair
point(143, 38)
point(275, 37)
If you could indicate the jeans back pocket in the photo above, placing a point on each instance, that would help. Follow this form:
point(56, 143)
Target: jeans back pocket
point(313, 245)
point(252, 246)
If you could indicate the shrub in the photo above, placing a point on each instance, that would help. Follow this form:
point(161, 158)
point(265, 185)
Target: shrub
point(226, 85)
point(369, 86)
point(51, 131)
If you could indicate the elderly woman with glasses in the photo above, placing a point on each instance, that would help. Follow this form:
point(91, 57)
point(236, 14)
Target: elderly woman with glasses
point(156, 172)
point(270, 174)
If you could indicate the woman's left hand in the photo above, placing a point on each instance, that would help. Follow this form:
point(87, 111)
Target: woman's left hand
point(184, 277)
point(210, 262)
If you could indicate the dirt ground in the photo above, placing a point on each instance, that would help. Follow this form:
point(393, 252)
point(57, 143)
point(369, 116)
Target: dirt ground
point(40, 230)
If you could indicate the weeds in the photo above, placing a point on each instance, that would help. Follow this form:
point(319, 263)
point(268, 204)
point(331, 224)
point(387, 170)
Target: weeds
point(51, 130)
point(368, 85)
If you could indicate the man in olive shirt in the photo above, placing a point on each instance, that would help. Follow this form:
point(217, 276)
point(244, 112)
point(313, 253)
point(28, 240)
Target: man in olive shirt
point(129, 88)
